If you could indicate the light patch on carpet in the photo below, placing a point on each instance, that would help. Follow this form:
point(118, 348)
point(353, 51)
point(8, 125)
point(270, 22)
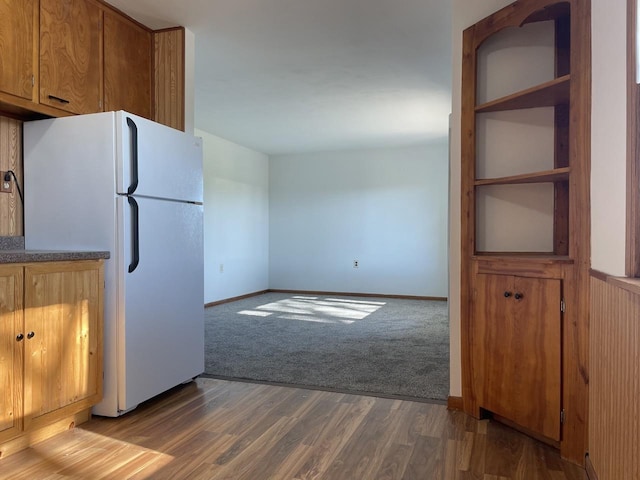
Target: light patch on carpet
point(306, 318)
point(311, 309)
point(367, 302)
point(253, 313)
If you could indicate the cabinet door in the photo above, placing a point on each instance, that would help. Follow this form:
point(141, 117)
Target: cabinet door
point(17, 47)
point(63, 348)
point(127, 66)
point(11, 351)
point(516, 345)
point(71, 55)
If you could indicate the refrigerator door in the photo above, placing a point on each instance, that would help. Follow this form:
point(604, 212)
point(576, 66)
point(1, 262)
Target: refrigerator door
point(160, 298)
point(157, 161)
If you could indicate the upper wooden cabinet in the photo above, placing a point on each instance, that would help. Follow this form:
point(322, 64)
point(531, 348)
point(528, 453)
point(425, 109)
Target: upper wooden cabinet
point(18, 27)
point(64, 57)
point(71, 55)
point(127, 66)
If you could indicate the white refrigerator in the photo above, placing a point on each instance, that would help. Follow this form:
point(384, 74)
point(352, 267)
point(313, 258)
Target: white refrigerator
point(114, 181)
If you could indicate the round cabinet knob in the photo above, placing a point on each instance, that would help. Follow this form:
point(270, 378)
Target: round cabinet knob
point(19, 337)
point(31, 334)
point(507, 294)
point(518, 296)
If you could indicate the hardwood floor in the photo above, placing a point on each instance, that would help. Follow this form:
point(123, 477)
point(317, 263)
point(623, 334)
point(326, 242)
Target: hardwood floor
point(215, 429)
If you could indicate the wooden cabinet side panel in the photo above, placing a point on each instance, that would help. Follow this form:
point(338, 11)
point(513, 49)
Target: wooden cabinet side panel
point(467, 214)
point(127, 66)
point(17, 47)
point(576, 333)
point(169, 77)
point(71, 55)
point(11, 352)
point(63, 359)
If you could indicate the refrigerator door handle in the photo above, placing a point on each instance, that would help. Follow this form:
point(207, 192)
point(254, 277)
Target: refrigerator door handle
point(135, 234)
point(134, 156)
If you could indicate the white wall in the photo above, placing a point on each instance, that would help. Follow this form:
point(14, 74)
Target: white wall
point(386, 208)
point(236, 219)
point(608, 136)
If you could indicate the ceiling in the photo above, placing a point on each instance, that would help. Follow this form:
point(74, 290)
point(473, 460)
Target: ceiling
point(294, 76)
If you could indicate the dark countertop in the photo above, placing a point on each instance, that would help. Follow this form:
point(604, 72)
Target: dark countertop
point(12, 251)
point(28, 256)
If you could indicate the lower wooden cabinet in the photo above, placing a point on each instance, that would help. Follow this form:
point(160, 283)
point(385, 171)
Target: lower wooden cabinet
point(11, 351)
point(51, 318)
point(516, 348)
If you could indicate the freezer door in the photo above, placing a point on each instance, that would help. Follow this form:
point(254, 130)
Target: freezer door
point(161, 297)
point(157, 161)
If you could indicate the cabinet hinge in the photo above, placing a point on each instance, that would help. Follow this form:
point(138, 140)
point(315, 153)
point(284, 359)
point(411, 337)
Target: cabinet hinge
point(562, 417)
point(33, 80)
point(562, 305)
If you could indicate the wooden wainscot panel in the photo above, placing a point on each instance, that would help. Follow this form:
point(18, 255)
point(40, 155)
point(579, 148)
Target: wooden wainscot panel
point(11, 159)
point(614, 388)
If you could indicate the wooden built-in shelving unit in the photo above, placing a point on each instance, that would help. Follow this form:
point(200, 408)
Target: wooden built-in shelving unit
point(521, 306)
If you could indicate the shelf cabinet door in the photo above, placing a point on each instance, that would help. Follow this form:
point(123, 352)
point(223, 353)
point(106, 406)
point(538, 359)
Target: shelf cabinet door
point(11, 351)
point(63, 348)
point(516, 345)
point(71, 55)
point(127, 66)
point(17, 47)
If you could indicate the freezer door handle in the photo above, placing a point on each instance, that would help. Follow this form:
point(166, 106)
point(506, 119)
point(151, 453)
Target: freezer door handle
point(135, 234)
point(134, 156)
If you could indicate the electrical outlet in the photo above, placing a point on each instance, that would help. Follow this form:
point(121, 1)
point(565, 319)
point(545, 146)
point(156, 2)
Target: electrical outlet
point(222, 268)
point(5, 186)
point(355, 264)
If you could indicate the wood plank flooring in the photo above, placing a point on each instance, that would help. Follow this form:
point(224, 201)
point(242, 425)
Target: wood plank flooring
point(215, 429)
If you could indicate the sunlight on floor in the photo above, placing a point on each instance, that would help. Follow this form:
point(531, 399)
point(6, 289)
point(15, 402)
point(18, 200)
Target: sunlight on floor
point(253, 313)
point(75, 460)
point(315, 309)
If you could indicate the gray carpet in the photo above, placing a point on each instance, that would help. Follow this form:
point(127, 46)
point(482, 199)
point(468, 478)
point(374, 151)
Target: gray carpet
point(378, 345)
